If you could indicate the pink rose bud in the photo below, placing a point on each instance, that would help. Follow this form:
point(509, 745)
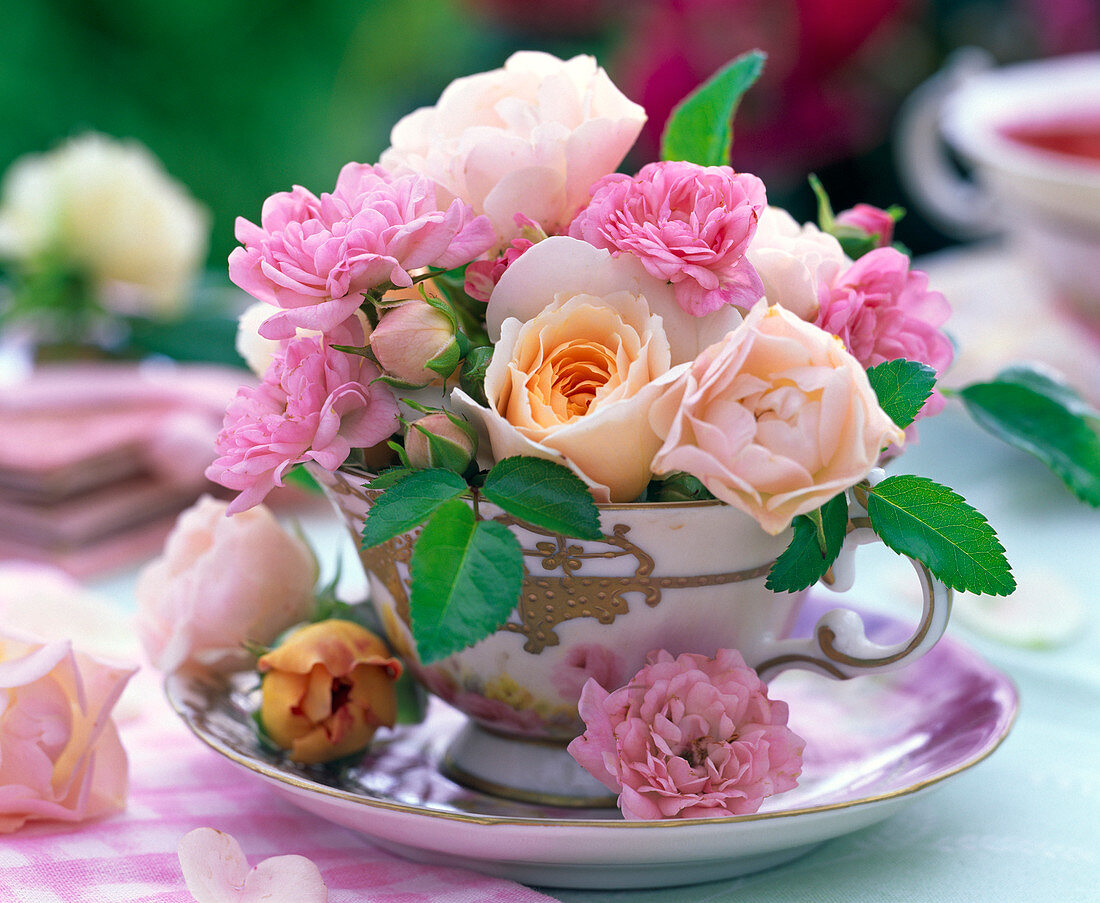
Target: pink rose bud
point(874, 222)
point(441, 440)
point(415, 343)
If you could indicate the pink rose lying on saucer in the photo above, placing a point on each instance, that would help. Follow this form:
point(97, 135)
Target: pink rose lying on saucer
point(60, 755)
point(688, 737)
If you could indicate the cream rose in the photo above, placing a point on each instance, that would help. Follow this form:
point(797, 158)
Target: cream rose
point(60, 756)
point(575, 383)
point(794, 261)
point(775, 419)
point(220, 582)
point(110, 209)
point(529, 138)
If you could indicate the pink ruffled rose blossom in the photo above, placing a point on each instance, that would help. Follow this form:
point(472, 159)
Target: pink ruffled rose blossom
point(529, 138)
point(689, 737)
point(313, 257)
point(775, 419)
point(315, 403)
point(689, 225)
point(60, 755)
point(882, 310)
point(219, 583)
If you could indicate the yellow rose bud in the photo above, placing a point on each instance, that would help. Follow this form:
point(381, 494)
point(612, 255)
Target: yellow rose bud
point(326, 689)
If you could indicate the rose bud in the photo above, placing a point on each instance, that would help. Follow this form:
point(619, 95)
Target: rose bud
point(417, 342)
point(867, 222)
point(326, 689)
point(441, 440)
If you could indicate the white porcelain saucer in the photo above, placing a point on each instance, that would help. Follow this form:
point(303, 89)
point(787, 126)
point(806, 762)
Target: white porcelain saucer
point(873, 745)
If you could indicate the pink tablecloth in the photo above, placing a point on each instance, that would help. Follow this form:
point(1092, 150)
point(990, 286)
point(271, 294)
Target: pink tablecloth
point(177, 784)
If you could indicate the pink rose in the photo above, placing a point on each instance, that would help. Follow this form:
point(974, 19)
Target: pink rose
point(689, 737)
point(60, 756)
point(483, 275)
point(874, 222)
point(775, 419)
point(315, 404)
point(529, 138)
point(313, 257)
point(220, 582)
point(883, 311)
point(689, 225)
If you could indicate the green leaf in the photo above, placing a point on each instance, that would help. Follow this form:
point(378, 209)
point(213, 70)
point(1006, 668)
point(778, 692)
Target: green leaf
point(300, 477)
point(813, 549)
point(1045, 419)
point(902, 388)
point(700, 129)
point(389, 477)
point(466, 579)
point(926, 521)
point(545, 494)
point(1050, 386)
point(409, 502)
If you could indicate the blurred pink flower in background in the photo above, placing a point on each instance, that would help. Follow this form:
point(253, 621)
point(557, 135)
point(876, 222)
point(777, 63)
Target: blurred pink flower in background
point(814, 104)
point(689, 225)
point(220, 582)
point(584, 662)
point(314, 256)
point(688, 737)
point(315, 404)
point(60, 755)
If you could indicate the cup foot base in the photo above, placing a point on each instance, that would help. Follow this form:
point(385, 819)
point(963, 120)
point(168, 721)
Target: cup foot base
point(517, 768)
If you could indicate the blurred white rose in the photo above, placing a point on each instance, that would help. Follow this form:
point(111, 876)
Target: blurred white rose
point(109, 209)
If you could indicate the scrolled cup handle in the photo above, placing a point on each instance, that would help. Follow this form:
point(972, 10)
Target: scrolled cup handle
point(954, 203)
point(839, 647)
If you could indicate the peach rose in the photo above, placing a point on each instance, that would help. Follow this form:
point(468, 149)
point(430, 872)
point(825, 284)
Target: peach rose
point(795, 262)
point(529, 138)
point(326, 689)
point(775, 419)
point(60, 756)
point(575, 383)
point(220, 582)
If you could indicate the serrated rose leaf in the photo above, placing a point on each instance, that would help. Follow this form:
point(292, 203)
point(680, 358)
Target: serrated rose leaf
point(902, 388)
point(545, 494)
point(803, 562)
point(409, 502)
point(929, 522)
point(466, 579)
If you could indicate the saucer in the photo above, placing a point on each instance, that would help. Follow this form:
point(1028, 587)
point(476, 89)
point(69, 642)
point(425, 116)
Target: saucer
point(873, 745)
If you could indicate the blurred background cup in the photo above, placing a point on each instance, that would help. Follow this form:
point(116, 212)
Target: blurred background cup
point(1030, 134)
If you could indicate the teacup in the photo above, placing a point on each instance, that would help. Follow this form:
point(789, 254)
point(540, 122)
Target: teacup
point(685, 577)
point(1030, 132)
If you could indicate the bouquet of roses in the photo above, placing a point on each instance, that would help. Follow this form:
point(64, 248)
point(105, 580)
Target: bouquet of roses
point(493, 313)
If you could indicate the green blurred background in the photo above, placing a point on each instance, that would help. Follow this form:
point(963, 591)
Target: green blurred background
point(241, 99)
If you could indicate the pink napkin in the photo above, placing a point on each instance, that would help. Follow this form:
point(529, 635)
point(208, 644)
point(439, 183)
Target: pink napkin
point(177, 784)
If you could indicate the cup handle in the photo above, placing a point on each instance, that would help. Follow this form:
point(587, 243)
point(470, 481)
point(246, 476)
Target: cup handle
point(838, 646)
point(955, 204)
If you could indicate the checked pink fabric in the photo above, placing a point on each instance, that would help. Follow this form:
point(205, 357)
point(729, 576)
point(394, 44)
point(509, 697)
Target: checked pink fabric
point(178, 785)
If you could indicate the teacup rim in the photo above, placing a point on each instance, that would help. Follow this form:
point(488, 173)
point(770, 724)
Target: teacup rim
point(362, 472)
point(971, 122)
